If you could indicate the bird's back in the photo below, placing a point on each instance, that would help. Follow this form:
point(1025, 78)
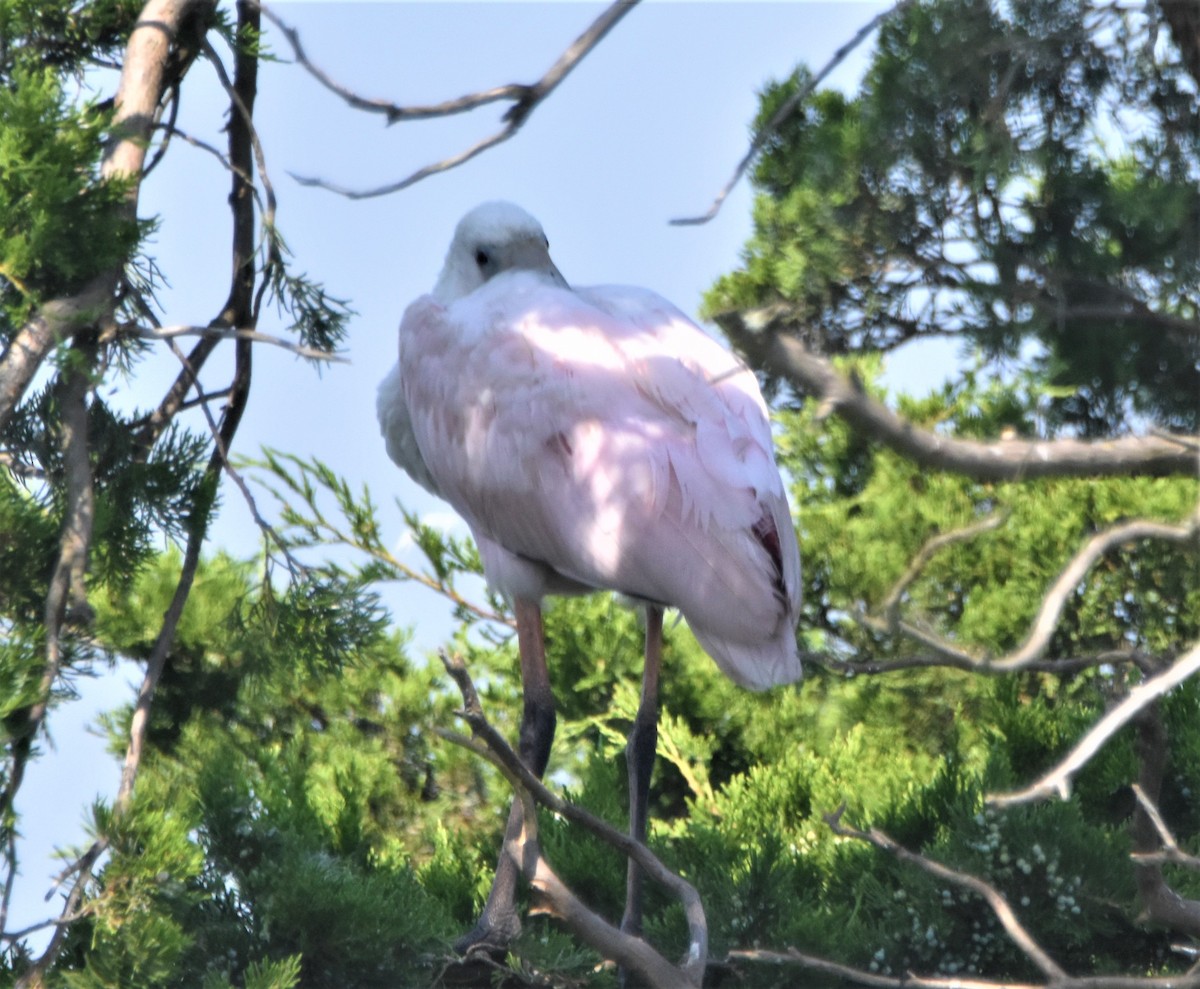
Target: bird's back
point(601, 435)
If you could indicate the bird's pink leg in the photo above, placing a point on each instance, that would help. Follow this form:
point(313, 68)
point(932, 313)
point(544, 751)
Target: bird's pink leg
point(498, 923)
point(639, 755)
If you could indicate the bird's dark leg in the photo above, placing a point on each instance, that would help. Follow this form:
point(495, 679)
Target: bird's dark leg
point(639, 755)
point(499, 924)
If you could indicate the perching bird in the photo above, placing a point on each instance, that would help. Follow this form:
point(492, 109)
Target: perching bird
point(593, 438)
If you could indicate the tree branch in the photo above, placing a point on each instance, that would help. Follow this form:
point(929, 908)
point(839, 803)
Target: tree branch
point(891, 604)
point(1002, 460)
point(1171, 853)
point(995, 899)
point(912, 980)
point(1057, 782)
point(1161, 905)
point(525, 98)
point(227, 333)
point(1053, 601)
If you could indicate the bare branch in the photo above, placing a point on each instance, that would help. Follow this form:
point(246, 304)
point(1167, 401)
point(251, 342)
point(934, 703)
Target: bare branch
point(628, 951)
point(945, 654)
point(1056, 598)
point(912, 980)
point(1057, 782)
point(790, 106)
point(1161, 905)
point(1002, 460)
point(525, 98)
point(226, 333)
point(1171, 854)
point(1053, 602)
point(995, 899)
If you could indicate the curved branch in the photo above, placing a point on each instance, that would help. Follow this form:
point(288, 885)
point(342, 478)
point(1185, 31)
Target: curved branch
point(1057, 782)
point(1002, 460)
point(1054, 600)
point(525, 98)
point(995, 899)
point(227, 333)
point(891, 603)
point(911, 980)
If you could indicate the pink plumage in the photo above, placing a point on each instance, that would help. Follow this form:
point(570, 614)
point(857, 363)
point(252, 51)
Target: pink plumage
point(593, 438)
point(597, 438)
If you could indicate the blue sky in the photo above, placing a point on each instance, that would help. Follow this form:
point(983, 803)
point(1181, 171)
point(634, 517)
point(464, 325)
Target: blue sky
point(648, 127)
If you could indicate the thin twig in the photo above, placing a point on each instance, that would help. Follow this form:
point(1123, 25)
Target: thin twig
point(227, 333)
point(940, 656)
point(891, 603)
point(1033, 649)
point(912, 980)
point(786, 110)
point(294, 565)
point(525, 98)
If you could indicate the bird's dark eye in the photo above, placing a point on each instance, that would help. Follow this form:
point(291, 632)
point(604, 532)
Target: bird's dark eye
point(481, 258)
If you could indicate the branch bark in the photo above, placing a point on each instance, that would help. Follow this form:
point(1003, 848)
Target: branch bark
point(1160, 903)
point(995, 899)
point(1002, 460)
point(525, 98)
point(1033, 649)
point(1057, 782)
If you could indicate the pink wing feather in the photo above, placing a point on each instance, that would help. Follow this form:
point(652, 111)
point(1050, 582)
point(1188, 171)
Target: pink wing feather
point(599, 439)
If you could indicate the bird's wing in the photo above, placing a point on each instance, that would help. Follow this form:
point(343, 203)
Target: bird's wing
point(395, 424)
point(604, 435)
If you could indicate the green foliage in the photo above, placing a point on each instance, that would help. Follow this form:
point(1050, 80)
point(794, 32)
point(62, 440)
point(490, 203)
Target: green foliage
point(1008, 196)
point(298, 823)
point(60, 226)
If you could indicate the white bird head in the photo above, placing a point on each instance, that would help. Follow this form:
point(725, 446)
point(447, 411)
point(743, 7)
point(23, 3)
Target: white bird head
point(492, 238)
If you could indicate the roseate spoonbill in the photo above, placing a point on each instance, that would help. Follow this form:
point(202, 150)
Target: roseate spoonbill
point(593, 438)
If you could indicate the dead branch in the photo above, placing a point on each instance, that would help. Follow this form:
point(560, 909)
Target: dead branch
point(226, 333)
point(789, 107)
point(1054, 601)
point(1161, 904)
point(1057, 782)
point(1002, 460)
point(912, 980)
point(940, 656)
point(995, 899)
point(629, 952)
point(524, 97)
point(1171, 853)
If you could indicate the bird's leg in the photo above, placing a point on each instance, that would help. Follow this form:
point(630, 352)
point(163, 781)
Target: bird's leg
point(499, 924)
point(639, 755)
